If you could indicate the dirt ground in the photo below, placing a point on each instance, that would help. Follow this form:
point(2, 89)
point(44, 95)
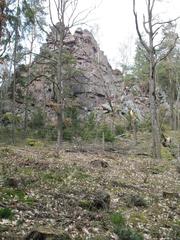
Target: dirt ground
point(41, 189)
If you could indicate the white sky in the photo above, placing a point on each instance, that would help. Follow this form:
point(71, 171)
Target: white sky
point(115, 23)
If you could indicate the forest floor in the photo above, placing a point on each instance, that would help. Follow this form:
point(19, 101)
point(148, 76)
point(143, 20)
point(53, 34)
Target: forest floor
point(45, 192)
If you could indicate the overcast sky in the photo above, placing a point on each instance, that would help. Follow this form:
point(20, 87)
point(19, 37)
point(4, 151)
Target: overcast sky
point(115, 22)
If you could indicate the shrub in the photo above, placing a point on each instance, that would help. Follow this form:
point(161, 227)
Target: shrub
point(145, 125)
point(38, 119)
point(108, 134)
point(175, 232)
point(122, 230)
point(166, 153)
point(165, 127)
point(117, 219)
point(71, 124)
point(85, 204)
point(137, 201)
point(6, 213)
point(51, 133)
point(127, 233)
point(119, 129)
point(88, 134)
point(88, 129)
point(8, 118)
point(33, 142)
point(68, 133)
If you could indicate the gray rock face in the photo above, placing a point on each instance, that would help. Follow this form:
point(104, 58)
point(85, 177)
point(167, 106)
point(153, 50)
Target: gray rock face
point(97, 81)
point(93, 84)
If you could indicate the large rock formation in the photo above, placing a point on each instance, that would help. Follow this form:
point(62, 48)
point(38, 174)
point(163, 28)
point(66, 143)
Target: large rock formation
point(92, 83)
point(94, 87)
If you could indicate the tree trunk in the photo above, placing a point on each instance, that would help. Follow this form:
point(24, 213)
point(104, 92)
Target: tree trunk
point(14, 75)
point(156, 142)
point(60, 130)
point(60, 97)
point(26, 112)
point(172, 120)
point(178, 120)
point(171, 94)
point(29, 79)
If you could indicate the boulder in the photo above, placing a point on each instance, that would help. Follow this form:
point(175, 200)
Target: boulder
point(99, 164)
point(12, 182)
point(101, 200)
point(170, 195)
point(46, 234)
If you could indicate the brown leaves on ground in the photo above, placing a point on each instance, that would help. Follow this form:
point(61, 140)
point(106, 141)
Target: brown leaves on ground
point(43, 190)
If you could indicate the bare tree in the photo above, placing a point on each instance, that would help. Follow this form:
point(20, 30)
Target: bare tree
point(154, 54)
point(68, 17)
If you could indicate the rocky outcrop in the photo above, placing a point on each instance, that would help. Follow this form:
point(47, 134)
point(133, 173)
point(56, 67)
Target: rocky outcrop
point(96, 83)
point(92, 84)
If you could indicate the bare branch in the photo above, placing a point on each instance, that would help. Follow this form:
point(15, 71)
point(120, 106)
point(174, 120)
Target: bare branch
point(161, 58)
point(155, 32)
point(166, 22)
point(56, 5)
point(152, 5)
point(154, 35)
point(80, 18)
point(50, 13)
point(144, 24)
point(137, 29)
point(73, 12)
point(160, 43)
